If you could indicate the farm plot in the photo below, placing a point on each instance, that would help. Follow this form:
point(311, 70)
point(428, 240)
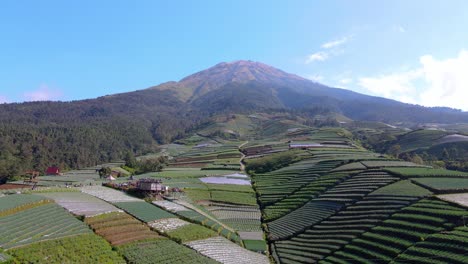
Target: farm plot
point(225, 180)
point(375, 164)
point(190, 232)
point(13, 203)
point(300, 219)
point(155, 251)
point(303, 195)
point(443, 185)
point(240, 218)
point(81, 203)
point(87, 248)
point(357, 187)
point(336, 231)
point(108, 194)
point(198, 218)
point(402, 188)
point(277, 185)
point(120, 228)
point(233, 197)
point(399, 232)
point(44, 222)
point(458, 198)
point(144, 211)
point(426, 172)
point(167, 224)
point(170, 206)
point(225, 251)
point(447, 247)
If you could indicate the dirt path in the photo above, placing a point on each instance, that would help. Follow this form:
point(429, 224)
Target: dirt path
point(242, 166)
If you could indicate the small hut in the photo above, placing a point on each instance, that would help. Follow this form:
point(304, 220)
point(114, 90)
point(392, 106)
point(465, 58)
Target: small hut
point(53, 171)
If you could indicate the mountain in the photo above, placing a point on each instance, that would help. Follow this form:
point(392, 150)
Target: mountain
point(82, 133)
point(256, 85)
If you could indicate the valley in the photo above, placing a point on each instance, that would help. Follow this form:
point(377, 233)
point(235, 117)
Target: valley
point(254, 188)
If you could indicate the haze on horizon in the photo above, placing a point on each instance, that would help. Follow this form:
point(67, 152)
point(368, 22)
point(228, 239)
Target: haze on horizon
point(411, 51)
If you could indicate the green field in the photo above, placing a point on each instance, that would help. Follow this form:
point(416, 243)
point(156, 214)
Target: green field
point(161, 251)
point(191, 232)
point(88, 248)
point(255, 245)
point(403, 188)
point(426, 172)
point(444, 184)
point(144, 211)
point(45, 222)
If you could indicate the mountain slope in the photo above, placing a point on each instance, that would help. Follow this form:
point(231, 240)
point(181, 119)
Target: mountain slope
point(82, 133)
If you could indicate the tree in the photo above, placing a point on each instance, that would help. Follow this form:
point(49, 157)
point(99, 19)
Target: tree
point(395, 150)
point(417, 159)
point(130, 160)
point(105, 172)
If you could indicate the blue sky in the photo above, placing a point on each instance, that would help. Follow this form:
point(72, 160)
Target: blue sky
point(414, 51)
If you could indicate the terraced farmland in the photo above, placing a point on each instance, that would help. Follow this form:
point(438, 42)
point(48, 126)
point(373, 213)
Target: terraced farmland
point(44, 222)
point(120, 228)
point(161, 251)
point(81, 204)
point(224, 251)
point(87, 248)
point(399, 232)
point(144, 211)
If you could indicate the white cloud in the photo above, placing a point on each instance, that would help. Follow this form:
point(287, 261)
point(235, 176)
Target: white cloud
point(318, 56)
point(329, 49)
point(345, 81)
point(434, 83)
point(43, 93)
point(335, 43)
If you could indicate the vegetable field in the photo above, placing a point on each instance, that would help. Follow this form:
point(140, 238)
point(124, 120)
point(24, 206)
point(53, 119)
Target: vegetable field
point(144, 211)
point(81, 203)
point(225, 251)
point(87, 248)
point(120, 228)
point(155, 251)
point(44, 222)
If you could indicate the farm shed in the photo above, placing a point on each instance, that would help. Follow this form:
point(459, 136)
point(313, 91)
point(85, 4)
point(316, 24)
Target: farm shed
point(53, 171)
point(153, 185)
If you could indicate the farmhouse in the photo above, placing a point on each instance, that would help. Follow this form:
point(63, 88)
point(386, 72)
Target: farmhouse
point(151, 185)
point(52, 171)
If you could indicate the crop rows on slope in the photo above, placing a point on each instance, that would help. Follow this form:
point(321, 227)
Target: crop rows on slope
point(85, 248)
point(225, 251)
point(198, 218)
point(144, 211)
point(14, 203)
point(48, 221)
point(277, 185)
point(120, 228)
point(303, 195)
point(339, 229)
point(357, 187)
point(161, 251)
point(242, 218)
point(300, 219)
point(426, 172)
point(444, 247)
point(81, 203)
point(393, 236)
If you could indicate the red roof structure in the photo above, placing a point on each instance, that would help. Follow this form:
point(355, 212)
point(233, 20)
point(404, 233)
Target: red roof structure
point(53, 171)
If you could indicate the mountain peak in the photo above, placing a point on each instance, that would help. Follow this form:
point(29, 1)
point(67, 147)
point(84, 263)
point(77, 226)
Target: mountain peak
point(240, 71)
